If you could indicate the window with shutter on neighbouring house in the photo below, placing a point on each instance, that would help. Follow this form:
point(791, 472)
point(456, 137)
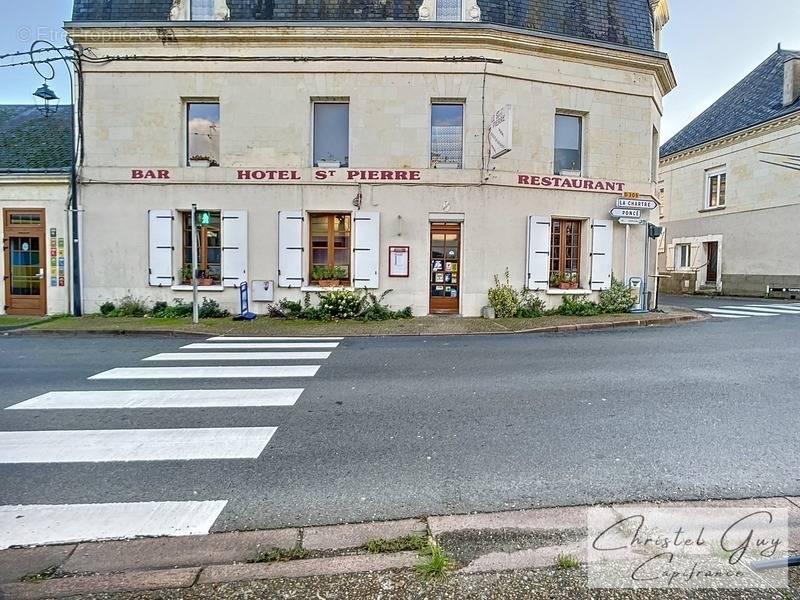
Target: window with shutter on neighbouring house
point(209, 247)
point(565, 252)
point(330, 247)
point(716, 184)
point(202, 133)
point(331, 134)
point(568, 145)
point(447, 136)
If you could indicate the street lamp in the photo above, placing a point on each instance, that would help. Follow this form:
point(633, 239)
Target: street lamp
point(46, 107)
point(47, 96)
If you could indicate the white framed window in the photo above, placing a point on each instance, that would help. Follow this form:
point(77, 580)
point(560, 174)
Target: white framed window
point(201, 10)
point(447, 135)
point(449, 10)
point(568, 157)
point(202, 133)
point(331, 137)
point(683, 256)
point(716, 184)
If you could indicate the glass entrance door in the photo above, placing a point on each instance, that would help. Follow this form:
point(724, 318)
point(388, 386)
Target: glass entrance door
point(24, 262)
point(445, 268)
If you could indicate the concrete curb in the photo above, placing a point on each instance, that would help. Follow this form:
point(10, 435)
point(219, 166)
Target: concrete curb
point(183, 562)
point(591, 326)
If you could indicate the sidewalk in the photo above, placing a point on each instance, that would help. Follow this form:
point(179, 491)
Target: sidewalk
point(430, 325)
point(495, 555)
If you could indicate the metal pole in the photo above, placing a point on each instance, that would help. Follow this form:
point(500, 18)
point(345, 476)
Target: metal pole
point(195, 308)
point(645, 303)
point(625, 257)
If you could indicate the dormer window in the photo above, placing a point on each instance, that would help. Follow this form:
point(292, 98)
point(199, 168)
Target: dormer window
point(201, 10)
point(448, 10)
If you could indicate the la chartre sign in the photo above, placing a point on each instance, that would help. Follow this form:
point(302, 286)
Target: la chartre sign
point(377, 176)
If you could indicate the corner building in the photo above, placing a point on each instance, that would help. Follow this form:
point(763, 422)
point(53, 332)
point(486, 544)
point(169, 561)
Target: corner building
point(351, 145)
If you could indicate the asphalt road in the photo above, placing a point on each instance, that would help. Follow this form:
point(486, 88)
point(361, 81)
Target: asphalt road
point(404, 426)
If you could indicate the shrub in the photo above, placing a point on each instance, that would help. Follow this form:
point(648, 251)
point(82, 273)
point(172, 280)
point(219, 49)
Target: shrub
point(572, 306)
point(106, 308)
point(130, 306)
point(373, 308)
point(503, 298)
point(209, 309)
point(530, 305)
point(158, 307)
point(178, 310)
point(340, 304)
point(618, 298)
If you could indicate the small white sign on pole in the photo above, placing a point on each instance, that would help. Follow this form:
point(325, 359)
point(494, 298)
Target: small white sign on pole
point(631, 221)
point(500, 131)
point(643, 204)
point(632, 213)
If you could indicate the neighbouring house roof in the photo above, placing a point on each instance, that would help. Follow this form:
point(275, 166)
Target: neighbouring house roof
point(29, 140)
point(756, 99)
point(623, 22)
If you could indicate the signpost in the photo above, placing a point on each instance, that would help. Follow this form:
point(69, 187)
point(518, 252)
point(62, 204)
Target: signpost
point(643, 204)
point(631, 221)
point(628, 212)
point(631, 213)
point(195, 308)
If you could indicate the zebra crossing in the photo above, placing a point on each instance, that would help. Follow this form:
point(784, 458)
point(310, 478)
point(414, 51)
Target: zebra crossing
point(34, 524)
point(746, 311)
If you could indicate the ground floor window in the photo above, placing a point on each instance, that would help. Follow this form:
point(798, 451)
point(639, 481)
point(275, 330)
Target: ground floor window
point(209, 247)
point(683, 256)
point(330, 247)
point(565, 252)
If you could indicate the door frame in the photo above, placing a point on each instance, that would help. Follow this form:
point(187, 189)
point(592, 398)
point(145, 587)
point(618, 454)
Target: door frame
point(715, 263)
point(39, 231)
point(445, 225)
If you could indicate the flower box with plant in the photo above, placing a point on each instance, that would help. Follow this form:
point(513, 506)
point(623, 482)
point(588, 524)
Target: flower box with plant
point(199, 160)
point(186, 274)
point(555, 279)
point(329, 162)
point(328, 276)
point(568, 281)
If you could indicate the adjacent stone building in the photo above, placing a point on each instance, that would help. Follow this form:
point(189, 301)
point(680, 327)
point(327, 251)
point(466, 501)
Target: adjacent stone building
point(34, 191)
point(731, 189)
point(422, 147)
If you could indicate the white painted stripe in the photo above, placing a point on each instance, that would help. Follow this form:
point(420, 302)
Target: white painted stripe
point(115, 445)
point(792, 307)
point(212, 356)
point(778, 311)
point(160, 399)
point(720, 315)
point(207, 372)
point(232, 338)
point(258, 346)
point(36, 524)
point(736, 312)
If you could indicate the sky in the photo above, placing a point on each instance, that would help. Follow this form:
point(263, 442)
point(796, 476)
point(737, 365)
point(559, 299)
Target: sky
point(712, 45)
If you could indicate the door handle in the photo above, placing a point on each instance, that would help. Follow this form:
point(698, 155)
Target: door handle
point(40, 274)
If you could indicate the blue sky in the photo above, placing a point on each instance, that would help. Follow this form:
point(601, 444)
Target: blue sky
point(712, 45)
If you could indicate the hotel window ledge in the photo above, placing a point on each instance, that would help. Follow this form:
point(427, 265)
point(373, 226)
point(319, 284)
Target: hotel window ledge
point(320, 288)
point(573, 292)
point(201, 288)
point(711, 209)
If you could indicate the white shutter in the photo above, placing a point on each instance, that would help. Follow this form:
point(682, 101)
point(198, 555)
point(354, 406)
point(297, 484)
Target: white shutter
point(290, 248)
point(670, 257)
point(234, 247)
point(160, 247)
point(602, 253)
point(538, 264)
point(366, 249)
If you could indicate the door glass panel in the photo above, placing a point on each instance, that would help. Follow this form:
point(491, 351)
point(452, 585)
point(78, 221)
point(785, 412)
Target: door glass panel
point(25, 266)
point(24, 219)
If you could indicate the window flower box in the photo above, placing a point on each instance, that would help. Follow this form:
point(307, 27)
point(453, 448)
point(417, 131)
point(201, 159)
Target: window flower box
point(570, 173)
point(199, 161)
point(329, 164)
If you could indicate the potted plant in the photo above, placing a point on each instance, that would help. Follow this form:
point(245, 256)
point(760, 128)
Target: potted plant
point(186, 274)
point(328, 276)
point(204, 279)
point(554, 280)
point(568, 281)
point(200, 160)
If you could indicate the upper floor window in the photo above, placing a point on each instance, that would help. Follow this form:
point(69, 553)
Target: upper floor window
point(331, 134)
point(202, 134)
point(448, 10)
point(447, 136)
point(568, 145)
point(201, 10)
point(716, 182)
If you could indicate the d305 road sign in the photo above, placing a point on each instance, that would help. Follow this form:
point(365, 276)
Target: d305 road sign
point(632, 213)
point(628, 203)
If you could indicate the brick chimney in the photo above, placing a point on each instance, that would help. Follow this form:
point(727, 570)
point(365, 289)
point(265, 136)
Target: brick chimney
point(791, 81)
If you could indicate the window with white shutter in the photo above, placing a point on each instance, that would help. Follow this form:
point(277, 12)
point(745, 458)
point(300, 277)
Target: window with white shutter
point(538, 264)
point(366, 249)
point(602, 253)
point(234, 247)
point(290, 248)
point(160, 247)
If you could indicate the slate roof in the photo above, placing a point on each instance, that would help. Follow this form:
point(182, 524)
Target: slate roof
point(29, 140)
point(624, 22)
point(756, 99)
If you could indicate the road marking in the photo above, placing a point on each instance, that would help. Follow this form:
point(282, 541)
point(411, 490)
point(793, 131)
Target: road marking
point(778, 311)
point(273, 339)
point(160, 399)
point(792, 307)
point(207, 372)
point(730, 316)
point(37, 524)
point(258, 346)
point(115, 445)
point(211, 356)
point(744, 313)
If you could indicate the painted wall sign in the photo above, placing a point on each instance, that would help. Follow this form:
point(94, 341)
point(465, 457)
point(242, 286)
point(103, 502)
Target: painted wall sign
point(556, 182)
point(149, 173)
point(500, 131)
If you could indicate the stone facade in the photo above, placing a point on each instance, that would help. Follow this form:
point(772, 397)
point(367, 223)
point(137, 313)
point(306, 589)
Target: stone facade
point(266, 80)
